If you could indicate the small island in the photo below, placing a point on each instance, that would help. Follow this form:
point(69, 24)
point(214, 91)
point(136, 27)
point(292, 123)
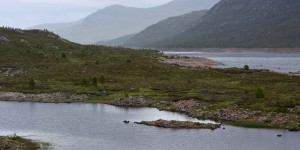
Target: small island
point(180, 124)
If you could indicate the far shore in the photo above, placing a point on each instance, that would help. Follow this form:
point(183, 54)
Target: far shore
point(192, 62)
point(206, 62)
point(235, 50)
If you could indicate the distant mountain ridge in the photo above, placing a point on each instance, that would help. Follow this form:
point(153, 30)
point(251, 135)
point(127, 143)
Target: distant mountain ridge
point(117, 20)
point(117, 42)
point(243, 23)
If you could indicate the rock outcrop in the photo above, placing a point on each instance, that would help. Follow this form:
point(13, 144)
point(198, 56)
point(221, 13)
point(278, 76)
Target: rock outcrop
point(4, 39)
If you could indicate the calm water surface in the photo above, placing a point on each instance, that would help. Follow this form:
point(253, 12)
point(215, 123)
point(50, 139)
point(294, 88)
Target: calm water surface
point(100, 127)
point(278, 62)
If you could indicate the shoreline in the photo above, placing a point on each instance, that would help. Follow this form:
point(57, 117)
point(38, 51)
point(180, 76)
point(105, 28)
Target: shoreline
point(58, 97)
point(204, 62)
point(232, 115)
point(191, 62)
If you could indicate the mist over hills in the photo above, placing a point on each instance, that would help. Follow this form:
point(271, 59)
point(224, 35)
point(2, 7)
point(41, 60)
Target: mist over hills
point(241, 23)
point(117, 20)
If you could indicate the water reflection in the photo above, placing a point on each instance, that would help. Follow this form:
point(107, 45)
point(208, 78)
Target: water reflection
point(96, 126)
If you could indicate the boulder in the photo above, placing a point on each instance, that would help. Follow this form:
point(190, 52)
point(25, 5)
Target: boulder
point(4, 39)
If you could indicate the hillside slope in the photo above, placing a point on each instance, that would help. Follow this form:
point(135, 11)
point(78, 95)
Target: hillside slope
point(240, 23)
point(164, 29)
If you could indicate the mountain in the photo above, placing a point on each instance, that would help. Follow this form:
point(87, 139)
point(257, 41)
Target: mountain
point(243, 23)
point(117, 20)
point(57, 26)
point(164, 29)
point(117, 42)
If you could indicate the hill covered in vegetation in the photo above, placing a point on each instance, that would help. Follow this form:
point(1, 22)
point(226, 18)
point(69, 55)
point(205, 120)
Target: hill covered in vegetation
point(244, 24)
point(37, 62)
point(164, 29)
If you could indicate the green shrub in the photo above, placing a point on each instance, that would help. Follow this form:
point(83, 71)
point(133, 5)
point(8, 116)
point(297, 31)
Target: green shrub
point(197, 123)
point(15, 137)
point(126, 95)
point(173, 109)
point(102, 80)
point(173, 121)
point(64, 55)
point(84, 82)
point(246, 67)
point(259, 93)
point(282, 109)
point(268, 121)
point(31, 83)
point(95, 82)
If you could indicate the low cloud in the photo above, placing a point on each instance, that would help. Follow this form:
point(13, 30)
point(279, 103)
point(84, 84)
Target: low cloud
point(27, 13)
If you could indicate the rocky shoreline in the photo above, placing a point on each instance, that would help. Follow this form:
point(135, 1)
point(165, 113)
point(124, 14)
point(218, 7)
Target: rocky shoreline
point(192, 62)
point(233, 114)
point(57, 97)
point(180, 124)
point(131, 101)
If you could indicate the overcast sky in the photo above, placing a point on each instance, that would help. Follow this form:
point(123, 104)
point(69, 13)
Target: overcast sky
point(27, 13)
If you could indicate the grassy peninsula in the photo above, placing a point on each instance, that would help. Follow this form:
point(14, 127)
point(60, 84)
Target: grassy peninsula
point(36, 62)
point(15, 142)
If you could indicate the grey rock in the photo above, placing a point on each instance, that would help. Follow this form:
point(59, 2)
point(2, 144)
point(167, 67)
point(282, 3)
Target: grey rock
point(4, 39)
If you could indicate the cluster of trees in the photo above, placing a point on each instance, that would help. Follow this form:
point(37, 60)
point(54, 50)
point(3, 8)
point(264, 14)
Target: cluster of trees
point(10, 28)
point(93, 81)
point(31, 83)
